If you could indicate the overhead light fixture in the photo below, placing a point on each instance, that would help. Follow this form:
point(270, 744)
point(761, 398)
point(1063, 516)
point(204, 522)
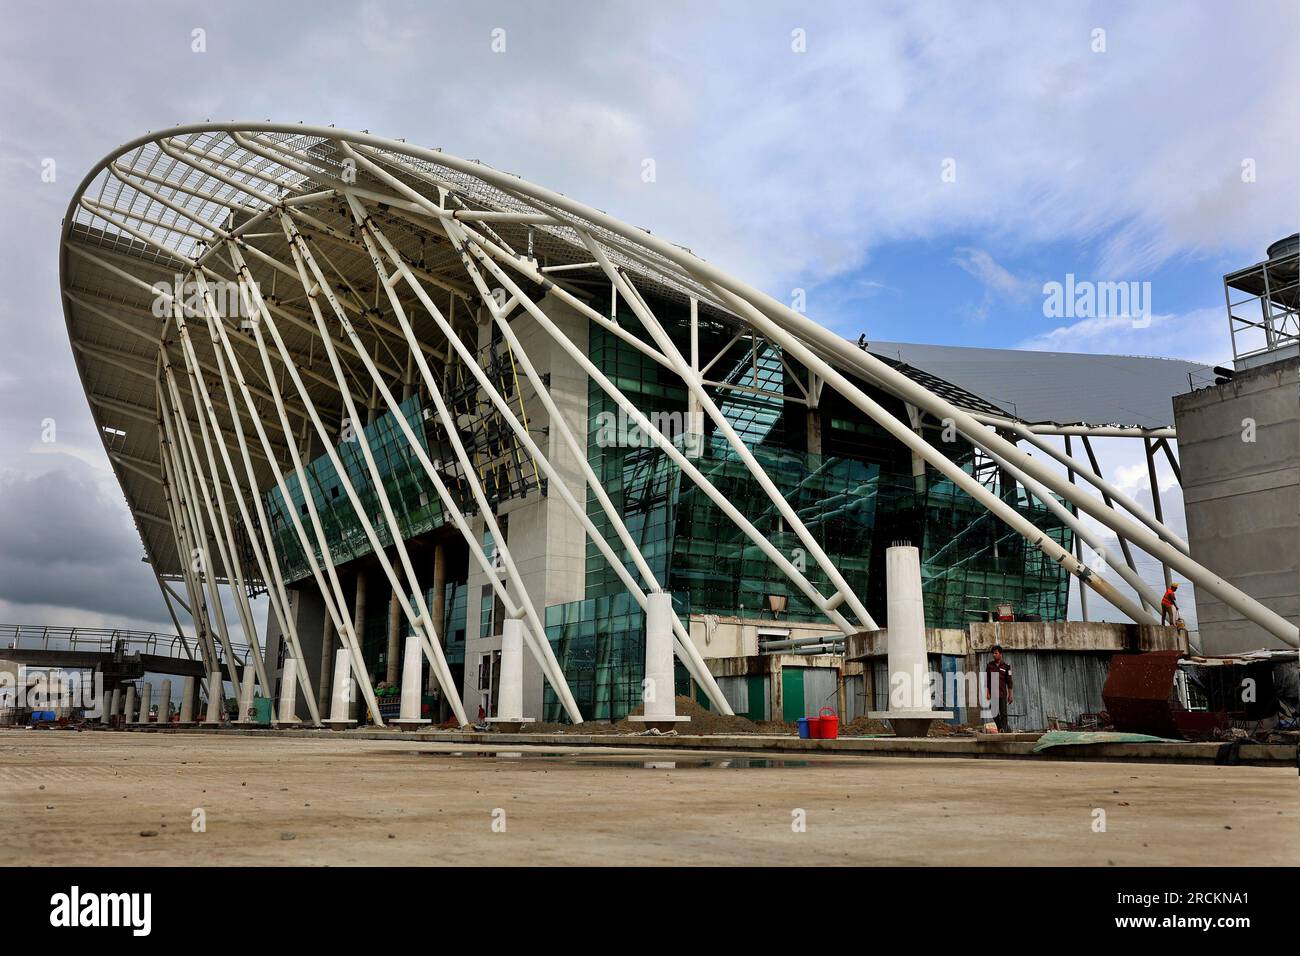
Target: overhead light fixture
point(776, 603)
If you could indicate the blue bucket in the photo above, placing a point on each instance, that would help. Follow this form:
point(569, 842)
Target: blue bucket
point(804, 733)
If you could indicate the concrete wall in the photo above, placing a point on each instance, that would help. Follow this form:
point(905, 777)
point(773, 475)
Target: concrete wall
point(718, 636)
point(1028, 635)
point(1242, 498)
point(546, 540)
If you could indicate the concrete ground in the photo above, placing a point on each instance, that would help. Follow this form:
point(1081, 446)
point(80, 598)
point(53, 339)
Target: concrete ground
point(78, 799)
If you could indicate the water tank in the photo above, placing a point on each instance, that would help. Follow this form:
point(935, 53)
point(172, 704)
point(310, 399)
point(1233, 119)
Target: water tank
point(1285, 247)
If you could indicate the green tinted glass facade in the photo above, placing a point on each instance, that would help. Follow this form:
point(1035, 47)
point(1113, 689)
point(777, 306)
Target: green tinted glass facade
point(600, 645)
point(412, 496)
point(856, 498)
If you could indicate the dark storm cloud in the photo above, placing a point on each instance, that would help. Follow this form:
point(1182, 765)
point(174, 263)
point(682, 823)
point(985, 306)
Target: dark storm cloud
point(64, 543)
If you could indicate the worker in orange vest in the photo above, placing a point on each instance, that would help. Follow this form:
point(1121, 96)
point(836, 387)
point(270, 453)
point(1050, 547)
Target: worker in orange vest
point(1169, 604)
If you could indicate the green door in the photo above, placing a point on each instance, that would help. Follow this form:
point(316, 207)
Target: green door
point(791, 693)
point(757, 698)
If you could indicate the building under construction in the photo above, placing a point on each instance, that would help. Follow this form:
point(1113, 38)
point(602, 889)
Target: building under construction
point(434, 412)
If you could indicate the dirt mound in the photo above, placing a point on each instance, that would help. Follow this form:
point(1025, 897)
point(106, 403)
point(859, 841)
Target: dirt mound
point(704, 721)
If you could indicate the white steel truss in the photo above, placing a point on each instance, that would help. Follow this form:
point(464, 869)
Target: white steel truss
point(362, 270)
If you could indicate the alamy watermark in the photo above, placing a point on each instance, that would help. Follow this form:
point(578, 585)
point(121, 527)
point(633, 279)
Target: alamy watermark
point(1085, 299)
point(227, 299)
point(51, 689)
point(685, 429)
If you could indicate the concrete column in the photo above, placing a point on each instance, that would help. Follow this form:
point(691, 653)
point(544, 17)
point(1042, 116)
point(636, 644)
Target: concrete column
point(394, 638)
point(165, 702)
point(438, 606)
point(214, 699)
point(188, 693)
point(146, 692)
point(114, 705)
point(411, 685)
point(910, 712)
point(246, 695)
point(341, 701)
point(358, 628)
point(908, 663)
point(326, 656)
point(288, 692)
point(510, 696)
point(659, 692)
point(130, 709)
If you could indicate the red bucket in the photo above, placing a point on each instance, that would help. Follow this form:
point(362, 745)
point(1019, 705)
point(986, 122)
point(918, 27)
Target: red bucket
point(826, 725)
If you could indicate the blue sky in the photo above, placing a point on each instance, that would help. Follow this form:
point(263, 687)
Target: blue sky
point(798, 145)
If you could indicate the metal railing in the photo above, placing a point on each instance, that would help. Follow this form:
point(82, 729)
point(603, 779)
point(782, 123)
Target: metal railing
point(106, 640)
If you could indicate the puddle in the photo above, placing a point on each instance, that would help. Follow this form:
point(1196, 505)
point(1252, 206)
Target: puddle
point(586, 760)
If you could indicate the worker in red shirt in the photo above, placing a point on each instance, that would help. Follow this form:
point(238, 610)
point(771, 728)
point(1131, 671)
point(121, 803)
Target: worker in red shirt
point(1001, 688)
point(1169, 604)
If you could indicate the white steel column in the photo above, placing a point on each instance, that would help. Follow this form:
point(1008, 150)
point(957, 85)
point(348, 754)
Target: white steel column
point(421, 621)
point(960, 477)
point(1154, 522)
point(265, 550)
point(826, 605)
point(695, 386)
point(540, 645)
point(230, 550)
point(204, 573)
point(686, 646)
point(333, 594)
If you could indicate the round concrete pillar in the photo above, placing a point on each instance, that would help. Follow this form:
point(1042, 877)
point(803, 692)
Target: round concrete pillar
point(286, 712)
point(246, 696)
point(342, 698)
point(216, 703)
point(188, 691)
point(412, 685)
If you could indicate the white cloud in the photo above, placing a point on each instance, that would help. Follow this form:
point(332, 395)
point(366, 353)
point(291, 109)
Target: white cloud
point(991, 274)
point(1197, 336)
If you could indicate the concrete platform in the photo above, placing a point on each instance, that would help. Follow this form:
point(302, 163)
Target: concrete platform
point(995, 746)
point(317, 799)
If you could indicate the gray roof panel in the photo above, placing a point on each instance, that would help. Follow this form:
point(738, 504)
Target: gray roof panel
point(1063, 388)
